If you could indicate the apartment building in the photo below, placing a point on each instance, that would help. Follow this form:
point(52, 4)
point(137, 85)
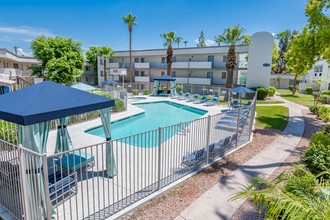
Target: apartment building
point(89, 76)
point(320, 71)
point(195, 65)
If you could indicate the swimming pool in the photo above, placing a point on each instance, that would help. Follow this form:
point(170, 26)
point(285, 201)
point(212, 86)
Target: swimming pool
point(157, 114)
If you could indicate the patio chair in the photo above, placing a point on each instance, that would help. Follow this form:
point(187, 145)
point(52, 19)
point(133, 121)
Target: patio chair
point(219, 147)
point(191, 99)
point(194, 158)
point(231, 122)
point(212, 102)
point(177, 96)
point(184, 97)
point(203, 99)
point(75, 161)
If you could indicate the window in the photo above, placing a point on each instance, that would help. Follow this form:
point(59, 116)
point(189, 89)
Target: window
point(315, 74)
point(163, 59)
point(101, 73)
point(87, 68)
point(142, 73)
point(224, 59)
point(173, 73)
point(162, 73)
point(115, 71)
point(15, 65)
point(136, 60)
point(101, 61)
point(142, 87)
point(318, 68)
point(173, 59)
point(142, 60)
point(209, 75)
point(223, 75)
point(136, 73)
point(86, 79)
point(110, 60)
point(320, 74)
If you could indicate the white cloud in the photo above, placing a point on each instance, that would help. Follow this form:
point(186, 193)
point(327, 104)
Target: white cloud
point(25, 31)
point(207, 41)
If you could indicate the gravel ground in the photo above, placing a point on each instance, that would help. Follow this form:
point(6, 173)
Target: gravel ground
point(247, 210)
point(173, 202)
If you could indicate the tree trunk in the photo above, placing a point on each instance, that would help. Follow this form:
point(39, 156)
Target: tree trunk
point(130, 56)
point(294, 85)
point(105, 68)
point(169, 60)
point(230, 65)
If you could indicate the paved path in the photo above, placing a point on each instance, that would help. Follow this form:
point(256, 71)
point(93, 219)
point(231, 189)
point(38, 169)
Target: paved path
point(215, 204)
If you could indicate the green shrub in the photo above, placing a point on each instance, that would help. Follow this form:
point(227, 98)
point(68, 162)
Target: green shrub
point(208, 98)
point(326, 92)
point(309, 90)
point(179, 88)
point(314, 108)
point(326, 130)
point(325, 99)
point(119, 105)
point(135, 91)
point(146, 92)
point(324, 113)
point(262, 93)
point(320, 138)
point(317, 158)
point(164, 88)
point(271, 91)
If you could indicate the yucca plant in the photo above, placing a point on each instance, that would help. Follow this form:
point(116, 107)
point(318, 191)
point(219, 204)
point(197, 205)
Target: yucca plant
point(297, 195)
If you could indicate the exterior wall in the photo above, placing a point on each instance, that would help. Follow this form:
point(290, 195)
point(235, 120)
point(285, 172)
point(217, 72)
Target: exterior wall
point(284, 83)
point(260, 60)
point(314, 74)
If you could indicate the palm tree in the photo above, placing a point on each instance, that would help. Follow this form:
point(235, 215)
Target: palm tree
point(178, 40)
point(105, 52)
point(169, 38)
point(185, 43)
point(130, 21)
point(232, 35)
point(219, 39)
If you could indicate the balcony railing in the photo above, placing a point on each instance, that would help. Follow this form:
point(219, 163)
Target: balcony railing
point(192, 65)
point(142, 79)
point(142, 65)
point(193, 80)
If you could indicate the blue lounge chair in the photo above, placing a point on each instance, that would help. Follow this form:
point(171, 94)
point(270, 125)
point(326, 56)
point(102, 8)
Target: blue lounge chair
point(212, 102)
point(203, 99)
point(220, 146)
point(184, 97)
point(190, 99)
point(179, 95)
point(194, 158)
point(76, 161)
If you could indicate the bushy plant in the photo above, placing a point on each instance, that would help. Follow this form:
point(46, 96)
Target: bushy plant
point(135, 91)
point(317, 157)
point(320, 138)
point(208, 98)
point(262, 93)
point(146, 92)
point(309, 90)
point(326, 92)
point(324, 113)
point(179, 88)
point(164, 88)
point(314, 108)
point(325, 99)
point(271, 91)
point(326, 130)
point(119, 105)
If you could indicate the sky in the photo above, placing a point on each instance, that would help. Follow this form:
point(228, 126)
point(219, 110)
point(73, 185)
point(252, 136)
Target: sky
point(99, 23)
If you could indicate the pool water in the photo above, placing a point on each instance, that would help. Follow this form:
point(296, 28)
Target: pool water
point(157, 114)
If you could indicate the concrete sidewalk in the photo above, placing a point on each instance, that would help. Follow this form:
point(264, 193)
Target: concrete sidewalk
point(216, 204)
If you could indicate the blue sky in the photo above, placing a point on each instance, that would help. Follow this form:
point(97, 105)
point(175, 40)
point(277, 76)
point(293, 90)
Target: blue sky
point(99, 22)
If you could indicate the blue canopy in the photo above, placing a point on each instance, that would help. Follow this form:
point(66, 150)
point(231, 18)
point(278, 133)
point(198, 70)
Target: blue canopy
point(165, 78)
point(47, 101)
point(242, 90)
point(108, 82)
point(83, 87)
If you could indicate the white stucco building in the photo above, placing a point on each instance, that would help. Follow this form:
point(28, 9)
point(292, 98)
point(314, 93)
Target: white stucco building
point(320, 71)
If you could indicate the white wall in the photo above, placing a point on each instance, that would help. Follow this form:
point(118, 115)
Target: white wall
point(260, 56)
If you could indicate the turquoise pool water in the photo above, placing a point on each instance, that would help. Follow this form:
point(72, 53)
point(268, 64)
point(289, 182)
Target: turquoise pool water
point(157, 114)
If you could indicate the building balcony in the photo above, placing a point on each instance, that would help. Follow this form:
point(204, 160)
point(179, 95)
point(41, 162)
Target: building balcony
point(192, 65)
point(193, 80)
point(142, 79)
point(12, 72)
point(113, 65)
point(141, 65)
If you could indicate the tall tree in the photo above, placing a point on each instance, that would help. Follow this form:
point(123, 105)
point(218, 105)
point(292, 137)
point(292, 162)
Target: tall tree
point(232, 35)
point(130, 21)
point(93, 52)
point(61, 59)
point(185, 43)
point(169, 38)
point(178, 40)
point(274, 56)
point(201, 40)
point(247, 40)
point(219, 39)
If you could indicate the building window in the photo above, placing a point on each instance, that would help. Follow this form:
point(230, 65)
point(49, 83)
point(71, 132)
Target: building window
point(101, 61)
point(173, 73)
point(136, 73)
point(142, 60)
point(224, 59)
point(142, 73)
point(162, 73)
point(318, 68)
point(173, 59)
point(101, 73)
point(320, 74)
point(142, 87)
point(87, 68)
point(223, 75)
point(115, 71)
point(110, 60)
point(86, 79)
point(315, 74)
point(163, 59)
point(136, 60)
point(15, 65)
point(209, 75)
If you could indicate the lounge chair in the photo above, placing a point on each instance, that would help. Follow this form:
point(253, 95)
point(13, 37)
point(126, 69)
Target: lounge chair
point(203, 99)
point(212, 102)
point(232, 123)
point(219, 147)
point(194, 158)
point(184, 97)
point(191, 99)
point(77, 160)
point(177, 96)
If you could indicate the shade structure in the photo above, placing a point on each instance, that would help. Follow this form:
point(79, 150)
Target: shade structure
point(47, 101)
point(108, 82)
point(63, 140)
point(83, 87)
point(165, 78)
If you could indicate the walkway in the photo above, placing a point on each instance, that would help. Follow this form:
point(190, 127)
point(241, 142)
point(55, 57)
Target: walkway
point(215, 203)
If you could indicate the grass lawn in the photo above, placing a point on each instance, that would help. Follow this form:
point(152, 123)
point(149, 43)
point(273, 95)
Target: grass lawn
point(301, 99)
point(269, 102)
point(275, 117)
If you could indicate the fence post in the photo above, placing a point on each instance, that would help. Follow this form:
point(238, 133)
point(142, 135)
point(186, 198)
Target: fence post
point(22, 169)
point(46, 185)
point(208, 137)
point(237, 128)
point(159, 155)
